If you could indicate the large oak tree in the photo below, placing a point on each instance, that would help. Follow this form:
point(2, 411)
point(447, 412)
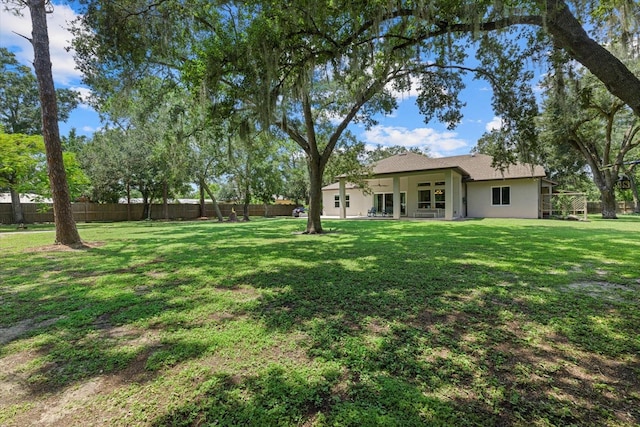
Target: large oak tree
point(281, 61)
point(598, 127)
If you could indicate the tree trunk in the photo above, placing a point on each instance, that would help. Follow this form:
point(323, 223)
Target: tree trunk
point(604, 180)
point(314, 224)
point(213, 200)
point(16, 207)
point(245, 206)
point(66, 230)
point(146, 209)
point(128, 202)
point(165, 200)
point(609, 204)
point(203, 209)
point(245, 211)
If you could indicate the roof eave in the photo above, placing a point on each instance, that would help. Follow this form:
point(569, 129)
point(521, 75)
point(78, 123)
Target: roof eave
point(506, 177)
point(421, 171)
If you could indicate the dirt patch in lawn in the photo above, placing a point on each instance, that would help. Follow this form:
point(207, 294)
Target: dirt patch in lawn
point(602, 290)
point(583, 382)
point(67, 407)
point(23, 327)
point(13, 386)
point(80, 402)
point(110, 399)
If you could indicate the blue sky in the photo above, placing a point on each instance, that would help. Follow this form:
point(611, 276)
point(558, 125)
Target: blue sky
point(84, 119)
point(404, 127)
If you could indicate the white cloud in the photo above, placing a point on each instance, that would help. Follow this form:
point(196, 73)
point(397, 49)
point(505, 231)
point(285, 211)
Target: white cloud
point(15, 28)
point(85, 95)
point(411, 92)
point(494, 124)
point(438, 143)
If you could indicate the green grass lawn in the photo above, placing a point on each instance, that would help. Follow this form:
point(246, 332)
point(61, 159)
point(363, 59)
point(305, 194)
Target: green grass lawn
point(376, 323)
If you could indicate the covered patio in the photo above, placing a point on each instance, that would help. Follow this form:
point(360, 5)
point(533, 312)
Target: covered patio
point(434, 194)
point(411, 185)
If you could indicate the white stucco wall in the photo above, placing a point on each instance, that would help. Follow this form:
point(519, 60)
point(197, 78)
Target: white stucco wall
point(524, 199)
point(359, 203)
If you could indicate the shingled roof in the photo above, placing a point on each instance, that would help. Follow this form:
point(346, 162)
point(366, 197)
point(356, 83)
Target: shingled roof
point(476, 167)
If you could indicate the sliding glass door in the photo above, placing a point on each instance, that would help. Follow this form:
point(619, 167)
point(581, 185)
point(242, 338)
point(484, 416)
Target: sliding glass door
point(383, 202)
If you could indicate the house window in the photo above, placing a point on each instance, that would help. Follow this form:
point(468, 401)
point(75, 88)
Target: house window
point(439, 196)
point(424, 199)
point(336, 200)
point(424, 184)
point(500, 196)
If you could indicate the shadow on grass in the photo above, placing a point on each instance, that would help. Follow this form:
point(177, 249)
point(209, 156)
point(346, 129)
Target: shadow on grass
point(425, 336)
point(278, 397)
point(468, 355)
point(417, 323)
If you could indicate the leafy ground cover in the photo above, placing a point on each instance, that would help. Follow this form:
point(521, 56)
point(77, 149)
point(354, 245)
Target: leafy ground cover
point(479, 322)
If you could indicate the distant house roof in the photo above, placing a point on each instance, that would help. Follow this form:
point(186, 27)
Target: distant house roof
point(476, 167)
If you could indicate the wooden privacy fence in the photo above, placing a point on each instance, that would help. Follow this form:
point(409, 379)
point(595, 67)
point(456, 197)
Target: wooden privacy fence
point(623, 207)
point(562, 204)
point(89, 212)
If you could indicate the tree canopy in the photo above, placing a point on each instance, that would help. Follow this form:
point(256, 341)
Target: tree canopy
point(23, 169)
point(598, 127)
point(300, 67)
point(19, 99)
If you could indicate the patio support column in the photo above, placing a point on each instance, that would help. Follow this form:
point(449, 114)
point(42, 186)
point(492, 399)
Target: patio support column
point(396, 197)
point(448, 195)
point(343, 199)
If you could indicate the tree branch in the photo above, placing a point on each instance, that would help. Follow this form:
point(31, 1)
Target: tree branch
point(23, 36)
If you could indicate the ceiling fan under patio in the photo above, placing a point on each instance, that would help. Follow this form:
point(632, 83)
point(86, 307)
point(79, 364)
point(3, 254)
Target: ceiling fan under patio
point(378, 185)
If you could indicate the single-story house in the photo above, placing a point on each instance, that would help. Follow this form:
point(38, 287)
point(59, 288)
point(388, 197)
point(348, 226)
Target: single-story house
point(467, 186)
